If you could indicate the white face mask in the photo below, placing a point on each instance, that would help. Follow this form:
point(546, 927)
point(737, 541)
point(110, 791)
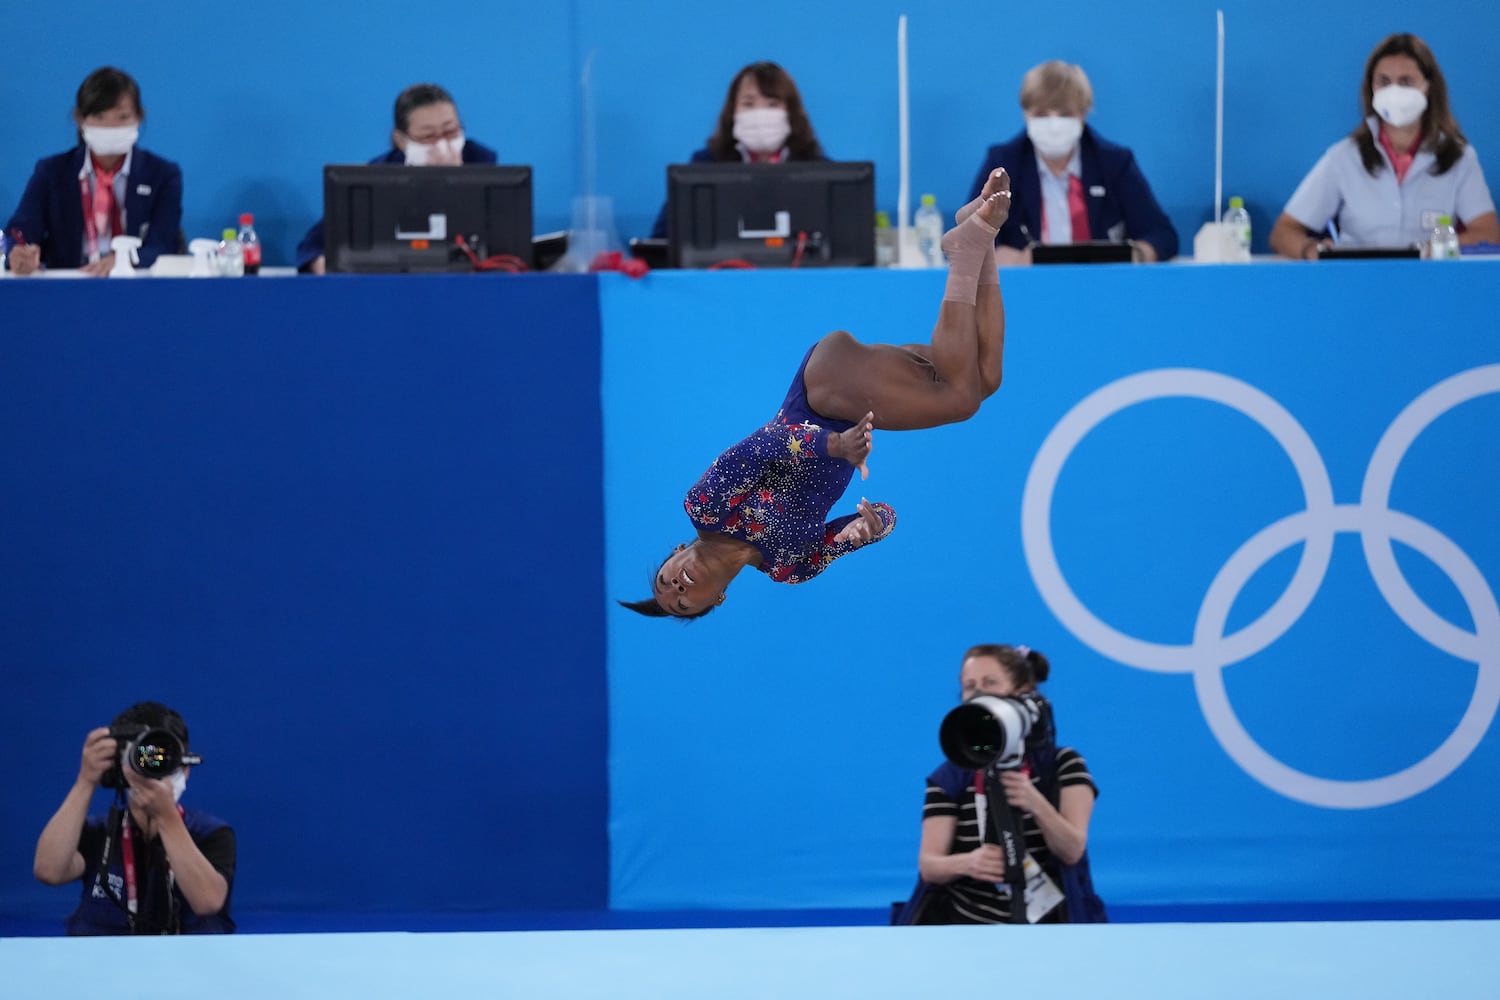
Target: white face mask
point(444, 152)
point(762, 130)
point(1399, 106)
point(110, 140)
point(1054, 136)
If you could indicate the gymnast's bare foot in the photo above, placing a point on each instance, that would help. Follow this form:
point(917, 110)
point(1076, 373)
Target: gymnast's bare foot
point(995, 206)
point(998, 181)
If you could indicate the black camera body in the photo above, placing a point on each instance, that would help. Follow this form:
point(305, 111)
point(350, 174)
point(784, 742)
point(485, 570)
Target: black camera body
point(993, 732)
point(150, 751)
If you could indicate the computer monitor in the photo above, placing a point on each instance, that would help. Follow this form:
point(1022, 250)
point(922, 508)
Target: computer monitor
point(815, 213)
point(383, 217)
point(1089, 252)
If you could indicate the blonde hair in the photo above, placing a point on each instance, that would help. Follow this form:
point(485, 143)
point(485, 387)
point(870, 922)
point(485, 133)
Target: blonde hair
point(1056, 85)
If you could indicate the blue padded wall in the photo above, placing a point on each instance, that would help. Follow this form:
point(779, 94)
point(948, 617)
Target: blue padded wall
point(350, 530)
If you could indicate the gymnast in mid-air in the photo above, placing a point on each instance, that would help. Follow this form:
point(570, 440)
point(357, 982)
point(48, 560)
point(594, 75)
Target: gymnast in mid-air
point(763, 502)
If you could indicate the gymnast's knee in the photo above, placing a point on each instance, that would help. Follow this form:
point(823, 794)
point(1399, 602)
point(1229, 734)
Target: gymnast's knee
point(964, 403)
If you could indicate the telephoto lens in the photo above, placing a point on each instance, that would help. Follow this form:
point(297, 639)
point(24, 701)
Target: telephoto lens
point(988, 731)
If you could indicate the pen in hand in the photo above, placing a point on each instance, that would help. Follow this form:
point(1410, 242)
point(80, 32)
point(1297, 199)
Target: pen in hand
point(23, 258)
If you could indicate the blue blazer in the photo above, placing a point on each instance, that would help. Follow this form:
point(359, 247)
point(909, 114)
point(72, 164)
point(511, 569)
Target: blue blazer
point(51, 210)
point(311, 247)
point(1115, 192)
point(659, 230)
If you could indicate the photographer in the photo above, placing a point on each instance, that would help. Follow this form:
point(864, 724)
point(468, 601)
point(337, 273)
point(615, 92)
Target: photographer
point(1053, 791)
point(151, 867)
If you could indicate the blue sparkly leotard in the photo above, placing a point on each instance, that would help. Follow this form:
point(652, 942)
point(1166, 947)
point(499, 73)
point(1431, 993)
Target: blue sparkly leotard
point(775, 488)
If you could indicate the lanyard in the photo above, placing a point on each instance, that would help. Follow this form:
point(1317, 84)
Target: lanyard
point(127, 851)
point(981, 806)
point(100, 226)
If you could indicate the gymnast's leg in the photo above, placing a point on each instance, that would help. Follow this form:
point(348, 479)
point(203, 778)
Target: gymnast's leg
point(935, 384)
point(990, 306)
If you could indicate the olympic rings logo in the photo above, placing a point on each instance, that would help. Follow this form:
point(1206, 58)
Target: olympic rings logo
point(1211, 650)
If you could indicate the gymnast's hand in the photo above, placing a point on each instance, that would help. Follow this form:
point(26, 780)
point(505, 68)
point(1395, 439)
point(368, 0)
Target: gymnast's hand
point(853, 445)
point(864, 528)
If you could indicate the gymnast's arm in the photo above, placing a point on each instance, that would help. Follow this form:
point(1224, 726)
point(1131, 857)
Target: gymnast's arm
point(840, 537)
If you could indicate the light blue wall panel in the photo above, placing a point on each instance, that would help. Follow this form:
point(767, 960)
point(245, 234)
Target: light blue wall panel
point(772, 754)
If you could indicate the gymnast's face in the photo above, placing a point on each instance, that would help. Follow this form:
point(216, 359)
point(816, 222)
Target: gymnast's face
point(686, 585)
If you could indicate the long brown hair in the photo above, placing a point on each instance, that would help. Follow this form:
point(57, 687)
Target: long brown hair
point(1441, 131)
point(1025, 667)
point(772, 81)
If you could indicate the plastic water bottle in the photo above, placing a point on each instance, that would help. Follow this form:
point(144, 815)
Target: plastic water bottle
point(928, 222)
point(1443, 243)
point(1238, 221)
point(885, 241)
point(249, 243)
point(231, 255)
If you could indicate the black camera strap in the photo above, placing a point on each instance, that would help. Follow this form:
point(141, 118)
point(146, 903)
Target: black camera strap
point(114, 826)
point(1002, 826)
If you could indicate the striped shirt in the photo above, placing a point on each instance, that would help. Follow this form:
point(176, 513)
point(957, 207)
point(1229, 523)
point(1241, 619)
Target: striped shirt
point(980, 902)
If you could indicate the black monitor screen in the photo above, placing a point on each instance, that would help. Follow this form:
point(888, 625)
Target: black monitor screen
point(390, 217)
point(1090, 252)
point(1367, 253)
point(808, 214)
